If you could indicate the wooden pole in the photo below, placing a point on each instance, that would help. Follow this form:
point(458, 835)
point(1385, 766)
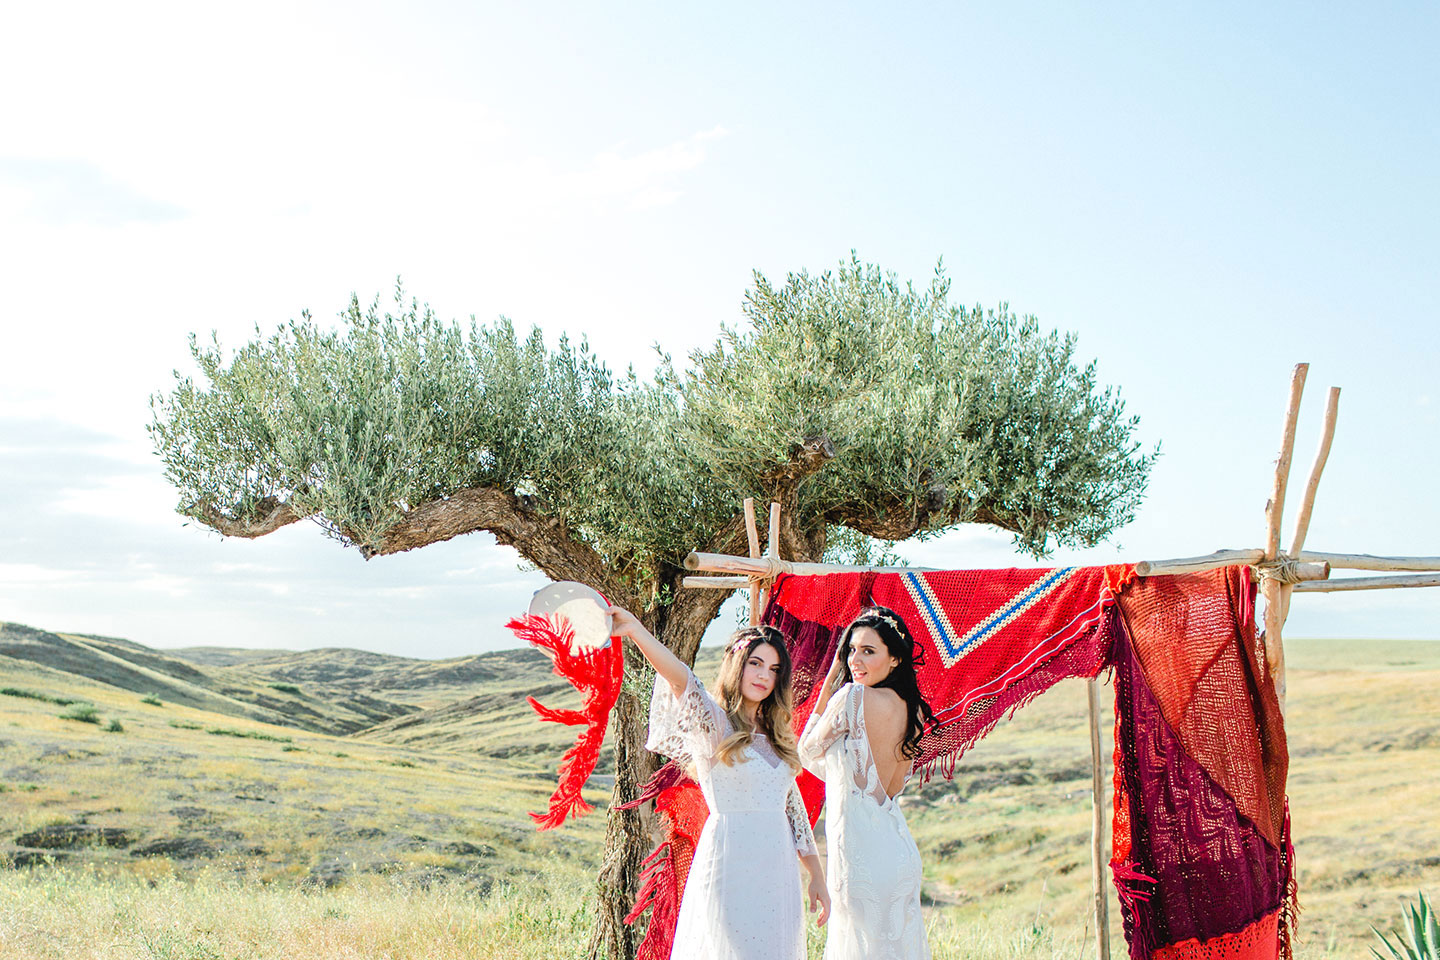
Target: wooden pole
point(1316, 570)
point(754, 537)
point(766, 566)
point(1275, 508)
point(1274, 511)
point(1213, 561)
point(719, 583)
point(1097, 827)
point(1370, 583)
point(772, 551)
point(1307, 502)
point(1364, 561)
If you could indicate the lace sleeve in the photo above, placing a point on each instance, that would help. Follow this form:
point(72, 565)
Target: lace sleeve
point(823, 728)
point(800, 823)
point(687, 729)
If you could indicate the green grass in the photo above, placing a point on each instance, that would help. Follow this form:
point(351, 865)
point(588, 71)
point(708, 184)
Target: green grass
point(83, 712)
point(60, 914)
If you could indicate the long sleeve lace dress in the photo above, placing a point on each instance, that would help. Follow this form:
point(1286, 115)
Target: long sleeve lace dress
point(873, 865)
point(742, 899)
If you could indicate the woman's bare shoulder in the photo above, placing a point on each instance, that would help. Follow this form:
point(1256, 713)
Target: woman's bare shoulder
point(884, 701)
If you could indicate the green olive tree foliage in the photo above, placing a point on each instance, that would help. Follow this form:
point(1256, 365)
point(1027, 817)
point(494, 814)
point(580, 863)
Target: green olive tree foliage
point(872, 411)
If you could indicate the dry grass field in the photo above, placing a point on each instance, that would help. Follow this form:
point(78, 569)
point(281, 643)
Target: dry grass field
point(183, 827)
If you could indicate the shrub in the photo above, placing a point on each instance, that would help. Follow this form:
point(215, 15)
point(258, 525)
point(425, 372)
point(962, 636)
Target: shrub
point(84, 712)
point(153, 700)
point(285, 688)
point(114, 726)
point(249, 734)
point(185, 725)
point(1420, 929)
point(32, 695)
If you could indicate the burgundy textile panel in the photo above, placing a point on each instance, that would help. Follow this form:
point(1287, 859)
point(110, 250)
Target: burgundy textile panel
point(1214, 871)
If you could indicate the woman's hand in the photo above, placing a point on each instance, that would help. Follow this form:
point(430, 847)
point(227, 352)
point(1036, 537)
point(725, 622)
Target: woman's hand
point(819, 897)
point(836, 673)
point(623, 623)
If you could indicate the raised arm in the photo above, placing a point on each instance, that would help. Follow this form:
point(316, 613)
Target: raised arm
point(826, 723)
point(666, 664)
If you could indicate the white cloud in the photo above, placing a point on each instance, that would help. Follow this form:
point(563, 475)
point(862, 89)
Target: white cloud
point(144, 499)
point(28, 574)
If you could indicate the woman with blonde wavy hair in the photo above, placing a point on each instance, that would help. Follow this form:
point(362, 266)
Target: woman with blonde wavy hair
point(742, 898)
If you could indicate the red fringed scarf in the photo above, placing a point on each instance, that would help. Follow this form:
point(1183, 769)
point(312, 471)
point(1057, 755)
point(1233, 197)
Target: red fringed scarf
point(597, 674)
point(682, 811)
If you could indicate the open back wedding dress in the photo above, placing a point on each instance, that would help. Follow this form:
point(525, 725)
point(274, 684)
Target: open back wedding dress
point(873, 865)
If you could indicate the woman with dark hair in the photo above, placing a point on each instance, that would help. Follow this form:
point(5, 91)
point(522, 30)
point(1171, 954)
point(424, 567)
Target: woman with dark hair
point(863, 743)
point(742, 898)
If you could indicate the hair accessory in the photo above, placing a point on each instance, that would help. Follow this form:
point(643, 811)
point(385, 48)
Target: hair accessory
point(894, 623)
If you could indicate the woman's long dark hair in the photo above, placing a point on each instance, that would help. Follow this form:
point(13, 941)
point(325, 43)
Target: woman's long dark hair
point(892, 629)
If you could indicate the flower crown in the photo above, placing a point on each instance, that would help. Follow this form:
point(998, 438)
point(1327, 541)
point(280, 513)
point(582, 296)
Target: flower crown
point(746, 636)
point(893, 622)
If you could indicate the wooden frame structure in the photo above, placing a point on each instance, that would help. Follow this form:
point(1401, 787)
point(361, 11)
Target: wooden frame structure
point(1281, 574)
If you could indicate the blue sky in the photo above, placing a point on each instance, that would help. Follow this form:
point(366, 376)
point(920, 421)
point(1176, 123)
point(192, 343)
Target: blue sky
point(1205, 195)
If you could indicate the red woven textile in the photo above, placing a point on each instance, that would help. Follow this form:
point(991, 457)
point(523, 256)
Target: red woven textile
point(991, 639)
point(1201, 851)
point(597, 674)
point(682, 811)
point(1195, 639)
point(1255, 942)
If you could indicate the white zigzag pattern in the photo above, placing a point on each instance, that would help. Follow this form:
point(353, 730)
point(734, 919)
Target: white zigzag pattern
point(938, 621)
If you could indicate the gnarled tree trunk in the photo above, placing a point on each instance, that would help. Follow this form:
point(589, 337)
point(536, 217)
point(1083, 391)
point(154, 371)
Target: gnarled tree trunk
point(627, 838)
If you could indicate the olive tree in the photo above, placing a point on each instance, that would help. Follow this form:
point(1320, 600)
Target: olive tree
point(870, 409)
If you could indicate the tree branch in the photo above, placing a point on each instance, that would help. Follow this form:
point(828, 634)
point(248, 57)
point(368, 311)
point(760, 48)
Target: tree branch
point(807, 458)
point(545, 541)
point(902, 520)
point(274, 515)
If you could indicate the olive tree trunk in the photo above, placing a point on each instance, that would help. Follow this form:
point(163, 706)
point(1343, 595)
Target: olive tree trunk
point(627, 839)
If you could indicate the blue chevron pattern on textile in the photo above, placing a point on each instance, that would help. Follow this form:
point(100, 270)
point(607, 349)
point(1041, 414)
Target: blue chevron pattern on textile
point(953, 646)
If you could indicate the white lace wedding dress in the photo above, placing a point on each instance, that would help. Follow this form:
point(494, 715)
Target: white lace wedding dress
point(873, 865)
point(743, 899)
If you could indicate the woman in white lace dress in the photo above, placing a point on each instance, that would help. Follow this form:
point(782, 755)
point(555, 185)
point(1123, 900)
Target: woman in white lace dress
point(863, 742)
point(742, 898)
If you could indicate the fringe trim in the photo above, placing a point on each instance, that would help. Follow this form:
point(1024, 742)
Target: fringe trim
point(943, 764)
point(597, 674)
point(658, 891)
point(1127, 879)
point(1289, 919)
point(669, 775)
